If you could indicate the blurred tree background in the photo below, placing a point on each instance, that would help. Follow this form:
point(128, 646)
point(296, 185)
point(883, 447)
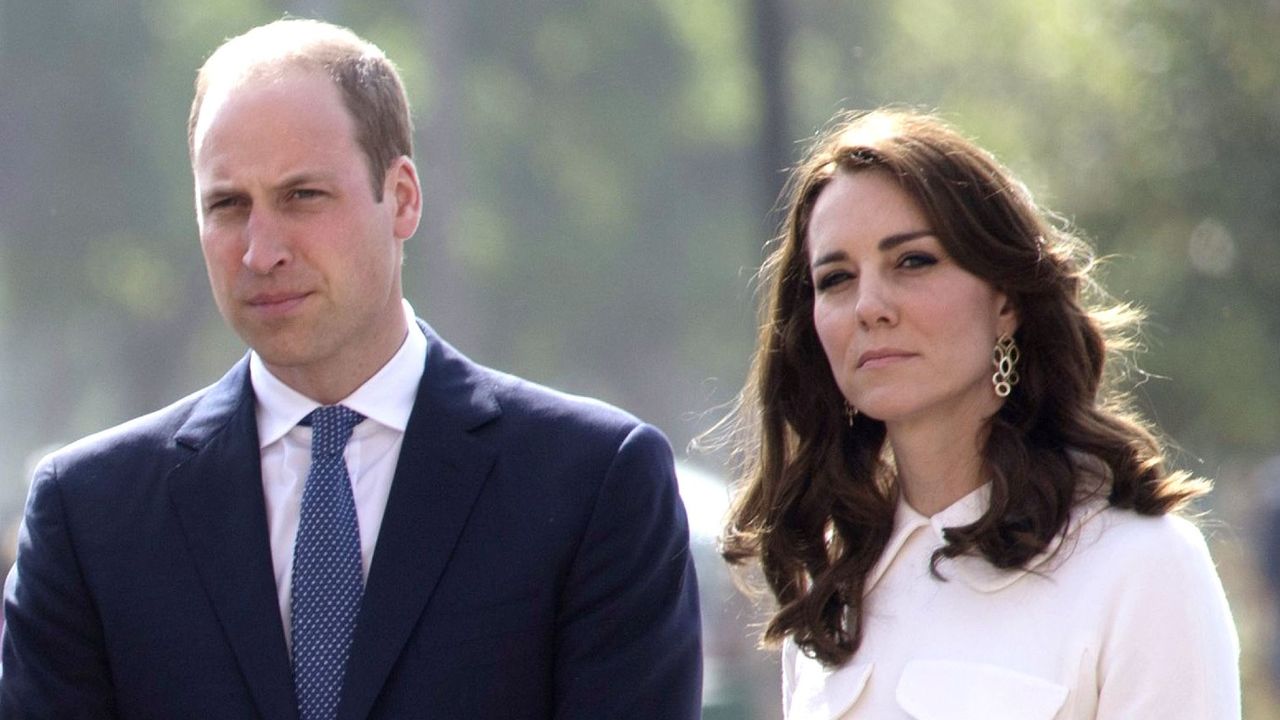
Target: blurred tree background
point(600, 178)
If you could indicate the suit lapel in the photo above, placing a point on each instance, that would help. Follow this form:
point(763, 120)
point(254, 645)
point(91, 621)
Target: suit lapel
point(439, 474)
point(218, 497)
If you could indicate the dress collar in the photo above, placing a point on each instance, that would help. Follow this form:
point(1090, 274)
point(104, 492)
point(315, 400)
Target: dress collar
point(972, 569)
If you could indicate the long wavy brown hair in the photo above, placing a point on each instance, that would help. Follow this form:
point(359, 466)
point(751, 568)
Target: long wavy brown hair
point(817, 494)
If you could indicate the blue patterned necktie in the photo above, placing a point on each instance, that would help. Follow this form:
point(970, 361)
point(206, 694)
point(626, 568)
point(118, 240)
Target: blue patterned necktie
point(327, 580)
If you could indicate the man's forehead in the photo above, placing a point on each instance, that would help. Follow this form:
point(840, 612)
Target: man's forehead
point(252, 86)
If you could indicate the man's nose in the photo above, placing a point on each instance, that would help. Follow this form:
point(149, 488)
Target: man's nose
point(266, 246)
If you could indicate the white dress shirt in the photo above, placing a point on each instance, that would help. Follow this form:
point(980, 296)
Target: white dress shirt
point(385, 400)
point(1125, 619)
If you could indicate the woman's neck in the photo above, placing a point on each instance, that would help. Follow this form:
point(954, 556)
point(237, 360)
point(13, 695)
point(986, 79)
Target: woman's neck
point(938, 462)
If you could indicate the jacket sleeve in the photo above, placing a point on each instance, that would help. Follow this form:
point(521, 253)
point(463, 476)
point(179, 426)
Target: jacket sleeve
point(628, 632)
point(54, 662)
point(1171, 650)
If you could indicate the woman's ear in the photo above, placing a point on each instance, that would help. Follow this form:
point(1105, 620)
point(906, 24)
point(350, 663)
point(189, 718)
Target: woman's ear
point(1006, 316)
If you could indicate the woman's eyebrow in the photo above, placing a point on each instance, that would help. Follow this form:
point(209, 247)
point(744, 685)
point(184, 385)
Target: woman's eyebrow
point(887, 243)
point(895, 240)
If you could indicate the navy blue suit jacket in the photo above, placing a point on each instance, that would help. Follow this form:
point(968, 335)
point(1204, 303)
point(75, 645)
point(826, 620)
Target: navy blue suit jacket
point(533, 562)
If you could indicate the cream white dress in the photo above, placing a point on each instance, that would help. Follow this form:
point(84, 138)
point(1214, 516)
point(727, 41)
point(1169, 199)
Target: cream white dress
point(1125, 619)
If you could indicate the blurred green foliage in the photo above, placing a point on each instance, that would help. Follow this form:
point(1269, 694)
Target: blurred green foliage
point(592, 212)
point(591, 215)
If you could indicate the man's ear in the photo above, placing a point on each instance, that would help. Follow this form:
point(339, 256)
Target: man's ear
point(405, 192)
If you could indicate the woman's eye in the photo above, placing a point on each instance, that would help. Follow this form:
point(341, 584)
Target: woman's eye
point(832, 279)
point(916, 260)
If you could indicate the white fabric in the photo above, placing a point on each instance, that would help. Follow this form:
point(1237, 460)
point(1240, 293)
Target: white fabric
point(1124, 619)
point(947, 690)
point(386, 400)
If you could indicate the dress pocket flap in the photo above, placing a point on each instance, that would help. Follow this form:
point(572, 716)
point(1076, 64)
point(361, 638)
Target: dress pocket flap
point(822, 694)
point(944, 689)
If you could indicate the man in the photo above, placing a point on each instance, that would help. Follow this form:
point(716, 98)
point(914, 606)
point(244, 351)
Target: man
point(480, 547)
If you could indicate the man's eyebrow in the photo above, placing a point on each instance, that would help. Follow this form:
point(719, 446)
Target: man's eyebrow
point(305, 177)
point(289, 182)
point(886, 243)
point(217, 192)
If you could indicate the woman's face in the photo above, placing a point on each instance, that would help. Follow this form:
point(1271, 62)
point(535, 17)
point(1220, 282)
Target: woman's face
point(908, 332)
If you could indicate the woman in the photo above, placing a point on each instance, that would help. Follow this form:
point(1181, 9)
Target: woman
point(955, 513)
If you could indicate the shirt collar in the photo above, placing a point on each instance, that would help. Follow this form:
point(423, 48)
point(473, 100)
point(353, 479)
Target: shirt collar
point(386, 398)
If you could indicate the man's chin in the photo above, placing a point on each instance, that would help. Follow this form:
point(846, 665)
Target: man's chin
point(279, 349)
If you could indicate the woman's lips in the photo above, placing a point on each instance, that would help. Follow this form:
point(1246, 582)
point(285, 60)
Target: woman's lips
point(882, 357)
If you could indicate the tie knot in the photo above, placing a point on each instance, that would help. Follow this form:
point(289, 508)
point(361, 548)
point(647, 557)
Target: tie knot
point(331, 427)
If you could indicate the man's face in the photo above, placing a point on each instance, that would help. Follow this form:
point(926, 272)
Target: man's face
point(304, 264)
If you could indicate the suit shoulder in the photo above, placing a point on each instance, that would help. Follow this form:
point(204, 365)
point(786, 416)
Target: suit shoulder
point(523, 407)
point(528, 401)
point(128, 441)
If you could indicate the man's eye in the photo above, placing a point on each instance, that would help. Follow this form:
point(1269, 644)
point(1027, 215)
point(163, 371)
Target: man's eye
point(225, 203)
point(305, 194)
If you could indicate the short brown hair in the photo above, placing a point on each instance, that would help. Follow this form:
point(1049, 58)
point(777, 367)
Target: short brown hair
point(370, 85)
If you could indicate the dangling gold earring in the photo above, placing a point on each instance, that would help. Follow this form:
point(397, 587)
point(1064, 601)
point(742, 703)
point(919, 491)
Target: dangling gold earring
point(850, 412)
point(1005, 358)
